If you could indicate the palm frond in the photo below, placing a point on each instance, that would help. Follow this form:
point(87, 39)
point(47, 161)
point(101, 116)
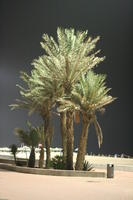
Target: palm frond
point(23, 136)
point(98, 131)
point(91, 92)
point(32, 137)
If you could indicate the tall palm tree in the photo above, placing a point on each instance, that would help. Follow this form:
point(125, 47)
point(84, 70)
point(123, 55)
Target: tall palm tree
point(90, 95)
point(59, 70)
point(39, 96)
point(47, 91)
point(64, 61)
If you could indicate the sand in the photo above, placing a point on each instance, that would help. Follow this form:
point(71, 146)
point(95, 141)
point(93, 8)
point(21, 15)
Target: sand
point(18, 186)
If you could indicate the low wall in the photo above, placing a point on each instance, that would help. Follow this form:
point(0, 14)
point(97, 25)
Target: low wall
point(52, 172)
point(9, 161)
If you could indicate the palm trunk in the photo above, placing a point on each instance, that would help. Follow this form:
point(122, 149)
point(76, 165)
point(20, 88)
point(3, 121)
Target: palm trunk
point(15, 158)
point(70, 139)
point(48, 156)
point(64, 135)
point(48, 131)
point(82, 144)
point(47, 138)
point(41, 158)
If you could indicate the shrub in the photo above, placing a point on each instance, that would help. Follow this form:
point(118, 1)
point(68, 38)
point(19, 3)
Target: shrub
point(57, 162)
point(87, 166)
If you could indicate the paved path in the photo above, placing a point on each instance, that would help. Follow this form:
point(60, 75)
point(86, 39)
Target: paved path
point(18, 186)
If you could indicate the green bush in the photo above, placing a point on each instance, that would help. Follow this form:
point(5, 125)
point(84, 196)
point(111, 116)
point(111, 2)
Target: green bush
point(21, 162)
point(87, 166)
point(57, 162)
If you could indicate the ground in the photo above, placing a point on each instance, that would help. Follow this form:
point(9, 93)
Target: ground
point(19, 186)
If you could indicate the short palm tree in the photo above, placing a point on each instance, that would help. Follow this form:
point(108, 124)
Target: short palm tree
point(30, 138)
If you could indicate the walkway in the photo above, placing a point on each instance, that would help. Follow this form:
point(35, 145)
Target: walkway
point(18, 186)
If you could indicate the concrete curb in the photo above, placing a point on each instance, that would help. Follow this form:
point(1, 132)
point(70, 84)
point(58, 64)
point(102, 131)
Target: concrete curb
point(52, 172)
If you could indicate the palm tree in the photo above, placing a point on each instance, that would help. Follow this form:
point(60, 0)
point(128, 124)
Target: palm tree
point(44, 93)
point(54, 76)
point(90, 95)
point(31, 138)
point(39, 96)
point(64, 61)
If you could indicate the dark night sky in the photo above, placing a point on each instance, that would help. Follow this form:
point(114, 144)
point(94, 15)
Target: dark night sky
point(22, 24)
